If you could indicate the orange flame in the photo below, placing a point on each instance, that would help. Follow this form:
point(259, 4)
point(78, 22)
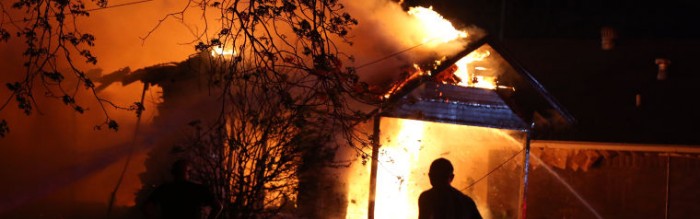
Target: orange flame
point(466, 70)
point(395, 176)
point(437, 28)
point(407, 149)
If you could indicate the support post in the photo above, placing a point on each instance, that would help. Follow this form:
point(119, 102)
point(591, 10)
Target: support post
point(375, 162)
point(668, 184)
point(523, 203)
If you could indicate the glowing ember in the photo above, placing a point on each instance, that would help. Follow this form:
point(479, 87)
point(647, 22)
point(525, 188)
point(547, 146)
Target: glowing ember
point(437, 28)
point(414, 72)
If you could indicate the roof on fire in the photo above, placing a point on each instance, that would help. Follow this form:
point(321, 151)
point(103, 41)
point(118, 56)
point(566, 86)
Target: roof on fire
point(428, 98)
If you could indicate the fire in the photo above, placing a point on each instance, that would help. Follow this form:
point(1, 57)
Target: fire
point(438, 28)
point(414, 72)
point(395, 176)
point(398, 161)
point(409, 146)
point(468, 67)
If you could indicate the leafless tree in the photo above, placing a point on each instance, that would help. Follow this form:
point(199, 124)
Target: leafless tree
point(286, 99)
point(286, 96)
point(52, 41)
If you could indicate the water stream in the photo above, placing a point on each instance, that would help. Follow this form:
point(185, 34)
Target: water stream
point(568, 186)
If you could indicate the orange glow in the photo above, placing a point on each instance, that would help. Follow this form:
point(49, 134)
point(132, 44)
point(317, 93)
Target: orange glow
point(407, 149)
point(272, 198)
point(437, 28)
point(218, 51)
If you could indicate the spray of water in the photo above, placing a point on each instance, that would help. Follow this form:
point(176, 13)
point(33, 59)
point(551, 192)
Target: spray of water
point(568, 186)
point(558, 177)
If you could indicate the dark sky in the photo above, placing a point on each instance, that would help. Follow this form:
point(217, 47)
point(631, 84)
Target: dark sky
point(575, 18)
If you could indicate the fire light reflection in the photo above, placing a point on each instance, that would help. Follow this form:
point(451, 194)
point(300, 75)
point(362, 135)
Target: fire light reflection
point(407, 149)
point(219, 51)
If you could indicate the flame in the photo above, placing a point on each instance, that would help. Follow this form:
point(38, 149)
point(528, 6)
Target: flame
point(436, 27)
point(467, 68)
point(394, 176)
point(414, 72)
point(407, 149)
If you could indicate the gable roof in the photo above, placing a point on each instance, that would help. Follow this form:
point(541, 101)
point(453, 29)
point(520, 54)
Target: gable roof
point(518, 102)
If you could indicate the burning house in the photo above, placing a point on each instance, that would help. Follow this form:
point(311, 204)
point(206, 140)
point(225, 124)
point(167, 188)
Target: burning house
point(509, 139)
point(546, 169)
point(479, 109)
point(487, 114)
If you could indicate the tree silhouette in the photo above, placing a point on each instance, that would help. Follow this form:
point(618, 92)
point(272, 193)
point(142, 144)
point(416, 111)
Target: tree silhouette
point(52, 41)
point(286, 100)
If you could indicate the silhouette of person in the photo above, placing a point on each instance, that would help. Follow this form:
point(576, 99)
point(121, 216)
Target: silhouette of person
point(444, 201)
point(181, 198)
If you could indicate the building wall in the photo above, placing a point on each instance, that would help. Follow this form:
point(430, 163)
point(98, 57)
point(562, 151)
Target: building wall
point(622, 181)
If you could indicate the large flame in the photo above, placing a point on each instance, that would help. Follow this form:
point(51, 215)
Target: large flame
point(396, 173)
point(409, 146)
point(438, 29)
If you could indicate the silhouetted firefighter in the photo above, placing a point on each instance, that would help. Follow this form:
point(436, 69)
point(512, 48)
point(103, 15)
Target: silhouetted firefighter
point(444, 201)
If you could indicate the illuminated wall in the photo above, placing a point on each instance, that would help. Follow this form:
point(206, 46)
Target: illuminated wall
point(490, 160)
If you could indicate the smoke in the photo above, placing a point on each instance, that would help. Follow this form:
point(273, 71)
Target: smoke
point(386, 39)
point(385, 30)
point(55, 156)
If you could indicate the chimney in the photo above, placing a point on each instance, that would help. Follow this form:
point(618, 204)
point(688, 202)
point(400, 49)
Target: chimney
point(607, 37)
point(663, 64)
